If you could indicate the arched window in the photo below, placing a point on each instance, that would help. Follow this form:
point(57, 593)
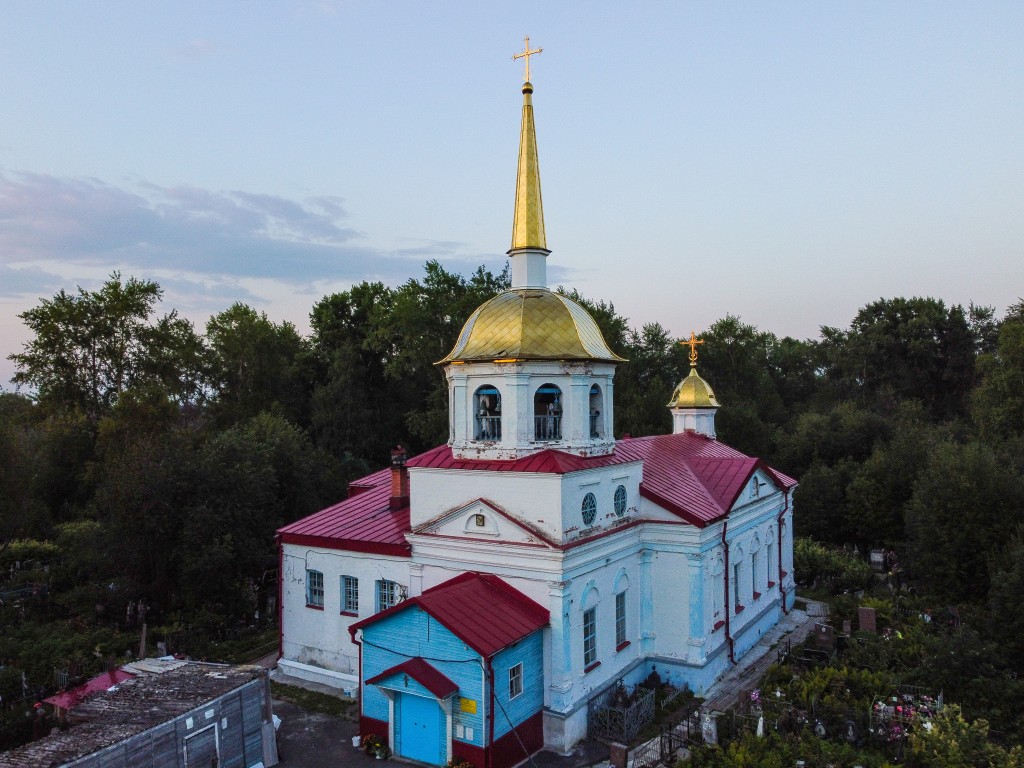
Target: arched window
point(755, 560)
point(769, 554)
point(621, 586)
point(588, 604)
point(736, 558)
point(547, 413)
point(487, 413)
point(596, 405)
point(717, 588)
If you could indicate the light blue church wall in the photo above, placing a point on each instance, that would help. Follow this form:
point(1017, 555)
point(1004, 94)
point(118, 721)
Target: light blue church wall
point(413, 632)
point(511, 712)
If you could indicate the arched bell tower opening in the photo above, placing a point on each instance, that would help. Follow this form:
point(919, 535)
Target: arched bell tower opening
point(487, 410)
point(547, 413)
point(596, 408)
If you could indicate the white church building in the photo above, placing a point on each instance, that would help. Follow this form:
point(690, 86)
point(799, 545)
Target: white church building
point(492, 586)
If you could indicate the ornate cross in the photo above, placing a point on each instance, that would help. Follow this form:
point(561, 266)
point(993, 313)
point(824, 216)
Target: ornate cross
point(692, 343)
point(526, 54)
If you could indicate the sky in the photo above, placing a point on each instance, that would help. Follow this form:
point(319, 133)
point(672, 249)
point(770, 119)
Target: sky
point(784, 162)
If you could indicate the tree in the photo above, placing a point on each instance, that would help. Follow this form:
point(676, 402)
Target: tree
point(22, 514)
point(999, 400)
point(954, 742)
point(964, 506)
point(884, 483)
point(90, 347)
point(643, 385)
point(1007, 568)
point(355, 405)
point(910, 348)
point(737, 360)
point(254, 365)
point(419, 329)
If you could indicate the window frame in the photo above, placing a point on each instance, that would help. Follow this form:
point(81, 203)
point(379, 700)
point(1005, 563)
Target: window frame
point(314, 592)
point(515, 681)
point(387, 594)
point(349, 589)
point(590, 638)
point(589, 508)
point(620, 500)
point(620, 620)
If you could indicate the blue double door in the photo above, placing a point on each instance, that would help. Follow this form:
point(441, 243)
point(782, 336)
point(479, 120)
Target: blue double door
point(420, 729)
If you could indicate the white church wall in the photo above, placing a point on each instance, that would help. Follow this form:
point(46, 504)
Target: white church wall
point(600, 483)
point(532, 496)
point(318, 637)
point(672, 605)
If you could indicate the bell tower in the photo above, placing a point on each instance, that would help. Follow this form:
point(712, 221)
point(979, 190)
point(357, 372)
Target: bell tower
point(531, 369)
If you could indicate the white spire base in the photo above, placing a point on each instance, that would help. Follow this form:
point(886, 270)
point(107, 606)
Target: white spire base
point(529, 267)
point(699, 420)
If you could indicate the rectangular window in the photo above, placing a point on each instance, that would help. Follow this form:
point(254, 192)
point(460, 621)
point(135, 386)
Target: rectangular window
point(620, 619)
point(314, 589)
point(350, 595)
point(753, 572)
point(515, 680)
point(736, 584)
point(589, 637)
point(388, 593)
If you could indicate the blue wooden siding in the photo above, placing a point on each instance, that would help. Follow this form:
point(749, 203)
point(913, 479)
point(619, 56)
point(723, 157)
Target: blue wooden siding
point(508, 713)
point(411, 633)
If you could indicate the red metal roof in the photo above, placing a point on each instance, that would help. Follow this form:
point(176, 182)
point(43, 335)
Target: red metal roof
point(363, 522)
point(692, 476)
point(76, 695)
point(479, 608)
point(424, 674)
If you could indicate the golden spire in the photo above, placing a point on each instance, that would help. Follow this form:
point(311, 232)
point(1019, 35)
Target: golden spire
point(528, 222)
point(692, 343)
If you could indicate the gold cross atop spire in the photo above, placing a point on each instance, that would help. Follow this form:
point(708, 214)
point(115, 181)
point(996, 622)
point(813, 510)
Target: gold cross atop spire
point(692, 343)
point(526, 54)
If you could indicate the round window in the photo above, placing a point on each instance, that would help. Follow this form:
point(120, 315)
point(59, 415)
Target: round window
point(589, 509)
point(620, 500)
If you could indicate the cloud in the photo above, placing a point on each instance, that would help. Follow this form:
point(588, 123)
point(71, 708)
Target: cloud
point(49, 219)
point(25, 281)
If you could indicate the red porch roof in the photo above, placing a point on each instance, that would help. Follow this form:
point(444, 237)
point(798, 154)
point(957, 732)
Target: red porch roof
point(424, 674)
point(479, 608)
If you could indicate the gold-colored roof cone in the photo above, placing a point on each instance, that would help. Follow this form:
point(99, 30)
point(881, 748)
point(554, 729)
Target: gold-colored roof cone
point(530, 324)
point(693, 392)
point(528, 221)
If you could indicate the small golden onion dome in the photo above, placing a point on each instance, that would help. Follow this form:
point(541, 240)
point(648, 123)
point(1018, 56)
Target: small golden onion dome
point(530, 324)
point(693, 392)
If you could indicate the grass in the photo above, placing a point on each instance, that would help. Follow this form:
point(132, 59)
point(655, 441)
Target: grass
point(312, 701)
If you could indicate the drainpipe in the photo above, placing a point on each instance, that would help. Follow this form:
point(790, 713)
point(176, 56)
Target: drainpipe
point(359, 675)
point(489, 752)
point(280, 598)
point(782, 586)
point(728, 611)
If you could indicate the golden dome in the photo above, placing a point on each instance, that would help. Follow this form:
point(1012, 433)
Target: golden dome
point(530, 324)
point(693, 392)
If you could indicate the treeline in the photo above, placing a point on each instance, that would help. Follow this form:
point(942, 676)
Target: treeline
point(154, 460)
